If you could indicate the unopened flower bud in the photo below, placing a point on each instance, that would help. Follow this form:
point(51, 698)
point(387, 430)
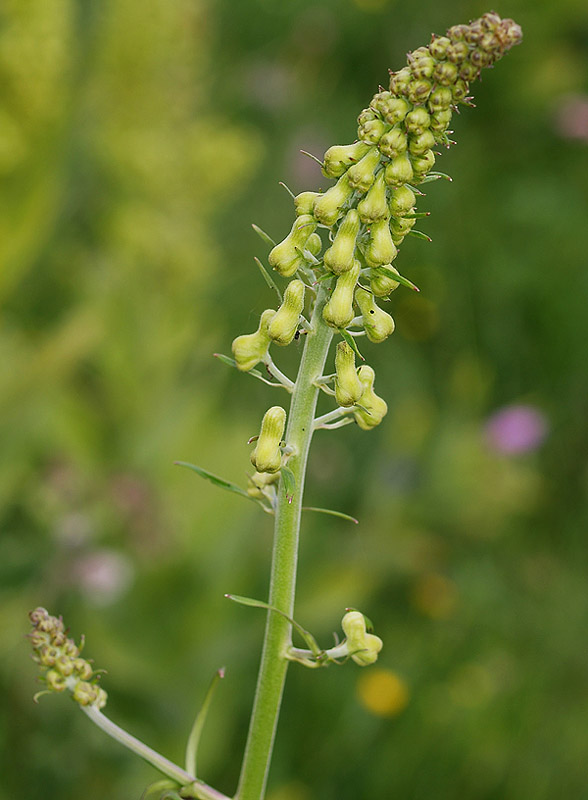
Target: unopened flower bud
point(86, 694)
point(284, 323)
point(64, 665)
point(402, 201)
point(259, 481)
point(304, 202)
point(422, 67)
point(55, 681)
point(361, 175)
point(362, 646)
point(372, 131)
point(37, 615)
point(314, 244)
point(339, 257)
point(399, 227)
point(457, 52)
point(468, 72)
point(380, 249)
point(459, 90)
point(338, 311)
point(421, 164)
point(441, 99)
point(417, 121)
point(457, 32)
point(266, 455)
point(374, 205)
point(398, 171)
point(82, 669)
point(377, 323)
point(286, 256)
point(328, 206)
point(340, 157)
point(400, 81)
point(348, 387)
point(394, 109)
point(445, 73)
point(381, 284)
point(419, 91)
point(438, 47)
point(373, 408)
point(393, 143)
point(440, 120)
point(418, 145)
point(47, 655)
point(250, 348)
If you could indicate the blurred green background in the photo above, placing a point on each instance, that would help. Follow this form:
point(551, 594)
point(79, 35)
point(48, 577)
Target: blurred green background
point(138, 141)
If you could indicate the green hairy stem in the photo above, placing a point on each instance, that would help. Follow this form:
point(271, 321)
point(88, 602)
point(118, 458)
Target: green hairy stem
point(272, 672)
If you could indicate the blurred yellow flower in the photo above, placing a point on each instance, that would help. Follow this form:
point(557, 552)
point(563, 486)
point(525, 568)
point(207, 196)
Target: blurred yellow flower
point(434, 595)
point(382, 692)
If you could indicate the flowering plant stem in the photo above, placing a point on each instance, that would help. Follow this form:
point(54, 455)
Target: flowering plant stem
point(164, 765)
point(278, 632)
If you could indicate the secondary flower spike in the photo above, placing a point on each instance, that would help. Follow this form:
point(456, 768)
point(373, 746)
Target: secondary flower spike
point(61, 663)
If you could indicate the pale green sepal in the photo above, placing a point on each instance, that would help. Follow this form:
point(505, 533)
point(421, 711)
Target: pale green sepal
point(351, 342)
point(289, 482)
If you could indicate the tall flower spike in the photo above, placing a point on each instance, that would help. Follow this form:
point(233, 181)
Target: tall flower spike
point(62, 666)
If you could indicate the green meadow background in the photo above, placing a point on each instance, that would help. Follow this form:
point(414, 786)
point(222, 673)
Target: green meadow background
point(139, 139)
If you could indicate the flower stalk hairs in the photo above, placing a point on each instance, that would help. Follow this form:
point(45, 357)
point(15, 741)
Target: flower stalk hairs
point(339, 263)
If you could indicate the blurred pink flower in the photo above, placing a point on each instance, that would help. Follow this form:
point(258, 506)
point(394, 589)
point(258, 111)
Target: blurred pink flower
point(516, 429)
point(103, 576)
point(571, 117)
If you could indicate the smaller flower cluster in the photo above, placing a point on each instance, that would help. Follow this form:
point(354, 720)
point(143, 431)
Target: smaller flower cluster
point(61, 662)
point(360, 644)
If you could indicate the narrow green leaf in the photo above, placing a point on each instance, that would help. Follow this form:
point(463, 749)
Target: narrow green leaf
point(326, 276)
point(351, 342)
point(417, 215)
point(263, 235)
point(420, 235)
point(306, 635)
point(268, 279)
point(331, 513)
point(220, 482)
point(399, 278)
point(196, 732)
point(289, 482)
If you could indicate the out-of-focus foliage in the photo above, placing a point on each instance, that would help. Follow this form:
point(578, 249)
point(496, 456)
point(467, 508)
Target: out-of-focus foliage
point(138, 141)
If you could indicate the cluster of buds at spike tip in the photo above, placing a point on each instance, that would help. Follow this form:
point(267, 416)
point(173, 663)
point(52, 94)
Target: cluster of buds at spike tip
point(267, 454)
point(371, 207)
point(61, 663)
